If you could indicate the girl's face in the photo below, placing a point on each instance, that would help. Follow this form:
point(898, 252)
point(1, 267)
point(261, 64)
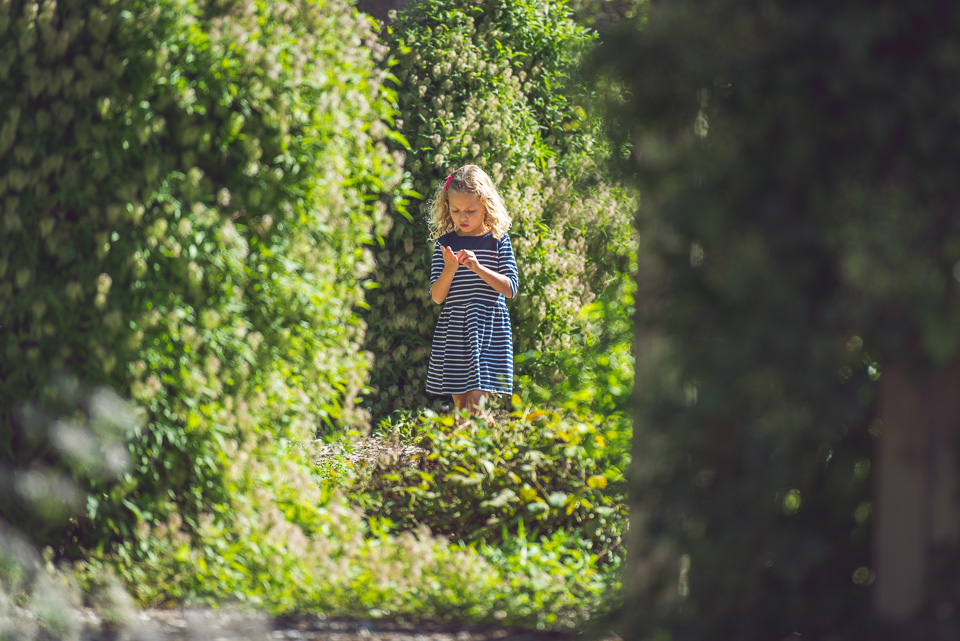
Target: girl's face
point(468, 213)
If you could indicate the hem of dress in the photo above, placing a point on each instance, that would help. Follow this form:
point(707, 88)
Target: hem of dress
point(473, 389)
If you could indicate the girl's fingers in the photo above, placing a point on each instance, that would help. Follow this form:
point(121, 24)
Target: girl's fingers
point(460, 256)
point(449, 255)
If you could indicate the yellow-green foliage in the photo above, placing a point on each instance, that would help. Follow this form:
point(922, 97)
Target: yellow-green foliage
point(491, 84)
point(485, 480)
point(283, 543)
point(186, 193)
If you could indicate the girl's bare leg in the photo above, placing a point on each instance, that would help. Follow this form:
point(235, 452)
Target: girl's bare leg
point(471, 400)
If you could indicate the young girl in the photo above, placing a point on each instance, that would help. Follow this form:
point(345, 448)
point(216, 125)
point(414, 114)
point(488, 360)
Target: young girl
point(473, 270)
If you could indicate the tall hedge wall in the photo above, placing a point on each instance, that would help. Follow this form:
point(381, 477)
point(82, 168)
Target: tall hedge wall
point(799, 325)
point(492, 84)
point(188, 190)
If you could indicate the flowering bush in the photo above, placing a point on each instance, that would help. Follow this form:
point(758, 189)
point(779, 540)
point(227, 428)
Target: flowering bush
point(187, 192)
point(491, 84)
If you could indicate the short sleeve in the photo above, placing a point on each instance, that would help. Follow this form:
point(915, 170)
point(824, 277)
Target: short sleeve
point(507, 263)
point(436, 267)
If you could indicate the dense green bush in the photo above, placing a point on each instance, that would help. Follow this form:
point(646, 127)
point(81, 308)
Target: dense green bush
point(187, 190)
point(492, 84)
point(486, 480)
point(286, 543)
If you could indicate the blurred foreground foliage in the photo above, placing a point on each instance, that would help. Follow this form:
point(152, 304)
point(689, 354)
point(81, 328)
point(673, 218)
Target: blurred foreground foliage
point(40, 600)
point(799, 243)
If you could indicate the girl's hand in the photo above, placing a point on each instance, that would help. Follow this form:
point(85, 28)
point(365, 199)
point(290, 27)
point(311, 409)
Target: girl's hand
point(468, 259)
point(450, 260)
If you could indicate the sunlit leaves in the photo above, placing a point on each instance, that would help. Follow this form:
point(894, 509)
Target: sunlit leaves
point(549, 470)
point(202, 186)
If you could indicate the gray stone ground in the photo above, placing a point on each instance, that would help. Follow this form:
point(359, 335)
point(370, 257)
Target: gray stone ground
point(232, 625)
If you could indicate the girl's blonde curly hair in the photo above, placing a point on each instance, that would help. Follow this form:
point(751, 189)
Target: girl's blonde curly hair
point(468, 179)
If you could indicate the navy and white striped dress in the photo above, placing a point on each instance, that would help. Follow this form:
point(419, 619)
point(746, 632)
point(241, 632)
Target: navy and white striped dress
point(472, 344)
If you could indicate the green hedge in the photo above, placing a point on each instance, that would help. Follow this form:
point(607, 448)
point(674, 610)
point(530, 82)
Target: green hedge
point(188, 189)
point(800, 296)
point(492, 84)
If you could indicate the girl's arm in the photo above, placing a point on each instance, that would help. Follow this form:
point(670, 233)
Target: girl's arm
point(496, 280)
point(441, 286)
point(507, 264)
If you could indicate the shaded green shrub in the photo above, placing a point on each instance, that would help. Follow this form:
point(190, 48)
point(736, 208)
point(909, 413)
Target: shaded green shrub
point(187, 192)
point(488, 480)
point(492, 84)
